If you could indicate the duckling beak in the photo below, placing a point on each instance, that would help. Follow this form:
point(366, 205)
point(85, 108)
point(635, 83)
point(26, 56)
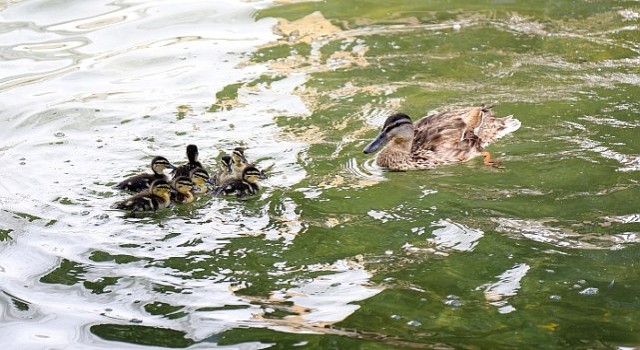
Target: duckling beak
point(195, 189)
point(263, 176)
point(380, 140)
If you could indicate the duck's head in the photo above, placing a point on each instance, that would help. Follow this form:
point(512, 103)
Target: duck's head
point(238, 157)
point(398, 128)
point(161, 188)
point(200, 177)
point(158, 164)
point(251, 174)
point(225, 163)
point(183, 184)
point(192, 153)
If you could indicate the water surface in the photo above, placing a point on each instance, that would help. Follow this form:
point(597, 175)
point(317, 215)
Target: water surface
point(334, 252)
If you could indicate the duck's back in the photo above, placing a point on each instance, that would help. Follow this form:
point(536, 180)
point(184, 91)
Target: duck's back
point(240, 188)
point(439, 129)
point(185, 170)
point(139, 183)
point(460, 134)
point(141, 202)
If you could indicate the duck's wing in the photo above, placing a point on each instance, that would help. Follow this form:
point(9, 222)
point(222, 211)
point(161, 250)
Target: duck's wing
point(136, 183)
point(139, 202)
point(228, 188)
point(494, 128)
point(439, 130)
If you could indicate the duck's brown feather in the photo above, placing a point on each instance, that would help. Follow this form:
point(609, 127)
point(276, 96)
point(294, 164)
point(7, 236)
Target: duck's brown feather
point(447, 137)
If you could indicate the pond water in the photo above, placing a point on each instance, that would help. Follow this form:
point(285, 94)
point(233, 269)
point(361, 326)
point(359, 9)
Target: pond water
point(334, 252)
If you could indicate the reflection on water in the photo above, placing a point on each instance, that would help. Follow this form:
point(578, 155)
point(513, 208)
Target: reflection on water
point(451, 236)
point(508, 285)
point(89, 95)
point(334, 251)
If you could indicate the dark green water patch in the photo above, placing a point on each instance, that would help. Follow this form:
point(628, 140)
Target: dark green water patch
point(5, 235)
point(67, 273)
point(167, 310)
point(99, 256)
point(100, 286)
point(142, 335)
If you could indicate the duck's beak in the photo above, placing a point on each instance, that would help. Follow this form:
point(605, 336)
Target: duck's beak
point(377, 143)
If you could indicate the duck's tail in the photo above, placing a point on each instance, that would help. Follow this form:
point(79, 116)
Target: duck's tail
point(495, 128)
point(509, 125)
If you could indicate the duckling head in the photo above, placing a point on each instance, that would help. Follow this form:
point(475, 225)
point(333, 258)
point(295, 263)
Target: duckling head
point(397, 129)
point(183, 184)
point(192, 153)
point(225, 163)
point(238, 157)
point(200, 177)
point(161, 188)
point(158, 164)
point(251, 174)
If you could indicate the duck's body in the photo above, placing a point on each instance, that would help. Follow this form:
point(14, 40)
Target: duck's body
point(247, 186)
point(238, 162)
point(158, 196)
point(437, 139)
point(142, 182)
point(182, 186)
point(225, 173)
point(192, 156)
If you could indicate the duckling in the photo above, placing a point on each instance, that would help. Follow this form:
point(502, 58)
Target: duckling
point(246, 187)
point(158, 196)
point(183, 186)
point(238, 162)
point(201, 180)
point(141, 182)
point(226, 172)
point(192, 156)
point(438, 139)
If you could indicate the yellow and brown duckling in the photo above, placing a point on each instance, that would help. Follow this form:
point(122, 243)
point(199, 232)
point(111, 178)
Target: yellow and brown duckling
point(225, 172)
point(183, 187)
point(247, 186)
point(192, 156)
point(440, 138)
point(238, 162)
point(201, 180)
point(142, 182)
point(158, 196)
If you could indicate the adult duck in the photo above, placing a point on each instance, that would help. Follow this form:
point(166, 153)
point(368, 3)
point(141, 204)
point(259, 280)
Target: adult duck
point(438, 139)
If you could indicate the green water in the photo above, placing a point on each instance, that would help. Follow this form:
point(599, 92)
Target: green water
point(335, 253)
